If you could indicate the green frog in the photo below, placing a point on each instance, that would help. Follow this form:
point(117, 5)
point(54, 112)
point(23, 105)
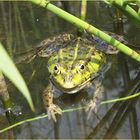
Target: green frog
point(73, 63)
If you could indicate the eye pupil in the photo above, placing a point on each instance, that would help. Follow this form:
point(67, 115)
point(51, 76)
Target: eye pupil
point(82, 67)
point(55, 68)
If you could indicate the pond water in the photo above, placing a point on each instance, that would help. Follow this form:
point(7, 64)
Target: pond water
point(22, 26)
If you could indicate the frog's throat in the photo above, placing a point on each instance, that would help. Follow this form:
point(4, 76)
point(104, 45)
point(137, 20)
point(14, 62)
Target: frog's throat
point(71, 90)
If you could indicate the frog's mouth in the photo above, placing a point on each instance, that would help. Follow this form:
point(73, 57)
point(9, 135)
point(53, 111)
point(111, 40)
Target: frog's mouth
point(73, 89)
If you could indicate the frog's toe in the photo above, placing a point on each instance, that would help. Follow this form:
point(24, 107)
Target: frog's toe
point(92, 107)
point(53, 110)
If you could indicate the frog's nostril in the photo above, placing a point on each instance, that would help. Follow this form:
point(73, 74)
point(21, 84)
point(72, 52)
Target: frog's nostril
point(68, 78)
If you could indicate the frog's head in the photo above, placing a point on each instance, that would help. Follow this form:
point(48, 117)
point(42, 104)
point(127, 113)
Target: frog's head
point(71, 74)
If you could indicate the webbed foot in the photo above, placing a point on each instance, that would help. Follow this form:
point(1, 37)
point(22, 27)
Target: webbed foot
point(94, 103)
point(92, 106)
point(52, 110)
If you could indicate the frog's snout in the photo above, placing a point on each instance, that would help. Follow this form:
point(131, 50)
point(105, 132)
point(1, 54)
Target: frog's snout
point(68, 81)
point(68, 78)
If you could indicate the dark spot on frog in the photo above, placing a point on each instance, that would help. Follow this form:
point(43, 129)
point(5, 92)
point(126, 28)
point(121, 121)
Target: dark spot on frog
point(65, 58)
point(64, 50)
point(93, 53)
point(70, 55)
point(80, 52)
point(45, 95)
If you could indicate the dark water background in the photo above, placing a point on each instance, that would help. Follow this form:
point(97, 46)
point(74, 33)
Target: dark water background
point(22, 26)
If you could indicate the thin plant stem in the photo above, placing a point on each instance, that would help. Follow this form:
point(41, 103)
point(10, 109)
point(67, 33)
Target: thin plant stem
point(37, 118)
point(121, 99)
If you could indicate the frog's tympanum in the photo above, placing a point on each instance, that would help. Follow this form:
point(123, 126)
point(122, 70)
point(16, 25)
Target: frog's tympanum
point(73, 63)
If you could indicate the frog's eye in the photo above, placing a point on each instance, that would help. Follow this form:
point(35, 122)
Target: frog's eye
point(56, 69)
point(82, 67)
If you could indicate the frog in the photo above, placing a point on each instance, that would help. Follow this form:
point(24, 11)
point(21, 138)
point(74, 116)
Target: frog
point(74, 62)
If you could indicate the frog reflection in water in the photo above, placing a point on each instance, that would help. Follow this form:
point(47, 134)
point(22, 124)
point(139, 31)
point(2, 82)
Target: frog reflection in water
point(74, 63)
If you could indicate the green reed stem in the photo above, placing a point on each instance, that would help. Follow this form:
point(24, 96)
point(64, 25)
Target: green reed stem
point(121, 99)
point(37, 118)
point(87, 27)
point(83, 9)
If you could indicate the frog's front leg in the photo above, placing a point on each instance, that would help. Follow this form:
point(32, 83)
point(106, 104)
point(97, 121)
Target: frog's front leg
point(93, 105)
point(51, 108)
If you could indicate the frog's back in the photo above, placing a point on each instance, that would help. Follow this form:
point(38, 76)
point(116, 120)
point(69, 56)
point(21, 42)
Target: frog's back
point(78, 49)
point(48, 47)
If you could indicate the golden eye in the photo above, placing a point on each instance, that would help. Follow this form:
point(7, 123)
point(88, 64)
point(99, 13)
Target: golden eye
point(56, 69)
point(82, 67)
